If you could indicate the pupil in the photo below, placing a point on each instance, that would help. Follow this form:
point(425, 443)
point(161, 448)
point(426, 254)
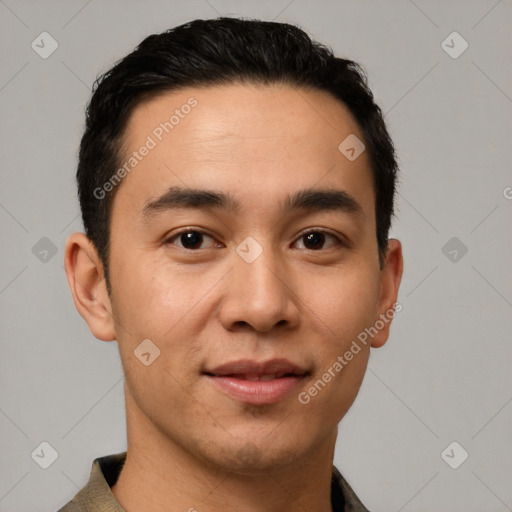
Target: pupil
point(191, 239)
point(315, 239)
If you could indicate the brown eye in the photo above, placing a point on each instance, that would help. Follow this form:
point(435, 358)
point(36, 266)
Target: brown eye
point(315, 240)
point(190, 239)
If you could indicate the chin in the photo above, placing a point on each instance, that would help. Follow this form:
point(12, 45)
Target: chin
point(249, 457)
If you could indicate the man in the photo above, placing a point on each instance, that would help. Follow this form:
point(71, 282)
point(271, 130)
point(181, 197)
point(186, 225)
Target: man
point(237, 183)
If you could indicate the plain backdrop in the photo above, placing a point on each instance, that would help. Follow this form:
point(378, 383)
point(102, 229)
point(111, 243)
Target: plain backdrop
point(444, 375)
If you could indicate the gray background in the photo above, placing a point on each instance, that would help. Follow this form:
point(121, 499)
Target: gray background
point(444, 375)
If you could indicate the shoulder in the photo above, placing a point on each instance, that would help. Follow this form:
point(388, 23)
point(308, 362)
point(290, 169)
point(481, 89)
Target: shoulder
point(96, 495)
point(351, 502)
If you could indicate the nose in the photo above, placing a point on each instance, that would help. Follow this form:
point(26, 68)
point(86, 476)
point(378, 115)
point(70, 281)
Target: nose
point(259, 295)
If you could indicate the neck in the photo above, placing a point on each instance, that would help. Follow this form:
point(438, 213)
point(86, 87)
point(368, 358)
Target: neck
point(161, 475)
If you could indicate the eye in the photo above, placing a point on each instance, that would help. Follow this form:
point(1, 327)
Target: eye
point(190, 239)
point(315, 239)
point(193, 239)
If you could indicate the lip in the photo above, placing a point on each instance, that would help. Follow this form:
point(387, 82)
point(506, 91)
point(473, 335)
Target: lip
point(232, 378)
point(249, 366)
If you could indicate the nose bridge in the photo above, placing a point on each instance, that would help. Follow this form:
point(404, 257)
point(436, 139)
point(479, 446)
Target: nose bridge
point(258, 294)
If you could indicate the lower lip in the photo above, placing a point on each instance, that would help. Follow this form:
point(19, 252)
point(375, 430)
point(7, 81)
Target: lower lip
point(257, 392)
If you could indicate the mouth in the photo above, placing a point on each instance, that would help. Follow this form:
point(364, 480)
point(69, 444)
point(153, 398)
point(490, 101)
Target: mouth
point(255, 376)
point(256, 383)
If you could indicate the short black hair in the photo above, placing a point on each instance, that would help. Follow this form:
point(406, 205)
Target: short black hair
point(212, 52)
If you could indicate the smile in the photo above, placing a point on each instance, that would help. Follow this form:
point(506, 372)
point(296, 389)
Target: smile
point(257, 383)
point(257, 389)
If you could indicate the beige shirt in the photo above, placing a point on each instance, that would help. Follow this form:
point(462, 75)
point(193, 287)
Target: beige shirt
point(96, 496)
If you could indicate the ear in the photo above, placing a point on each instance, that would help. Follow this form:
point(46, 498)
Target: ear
point(84, 271)
point(391, 275)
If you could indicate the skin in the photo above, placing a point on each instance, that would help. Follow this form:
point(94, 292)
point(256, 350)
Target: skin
point(189, 444)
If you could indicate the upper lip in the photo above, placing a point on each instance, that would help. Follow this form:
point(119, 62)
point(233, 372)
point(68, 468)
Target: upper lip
point(250, 367)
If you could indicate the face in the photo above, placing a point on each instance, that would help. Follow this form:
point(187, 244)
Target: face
point(252, 293)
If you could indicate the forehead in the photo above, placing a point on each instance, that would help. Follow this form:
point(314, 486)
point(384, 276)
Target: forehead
point(252, 141)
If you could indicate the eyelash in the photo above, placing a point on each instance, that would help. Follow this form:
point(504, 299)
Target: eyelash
point(339, 242)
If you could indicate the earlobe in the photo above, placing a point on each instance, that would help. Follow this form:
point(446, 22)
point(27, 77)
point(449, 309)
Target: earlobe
point(84, 272)
point(391, 276)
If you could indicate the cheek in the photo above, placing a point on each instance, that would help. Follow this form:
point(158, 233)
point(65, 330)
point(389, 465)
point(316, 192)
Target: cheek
point(153, 297)
point(160, 302)
point(344, 305)
point(157, 304)
point(339, 312)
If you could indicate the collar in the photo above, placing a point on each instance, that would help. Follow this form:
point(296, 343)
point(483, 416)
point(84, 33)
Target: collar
point(96, 496)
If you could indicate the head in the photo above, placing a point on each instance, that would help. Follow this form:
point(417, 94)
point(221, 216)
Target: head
point(224, 220)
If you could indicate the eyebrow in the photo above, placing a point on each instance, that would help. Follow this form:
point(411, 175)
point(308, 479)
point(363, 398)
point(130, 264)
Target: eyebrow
point(310, 199)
